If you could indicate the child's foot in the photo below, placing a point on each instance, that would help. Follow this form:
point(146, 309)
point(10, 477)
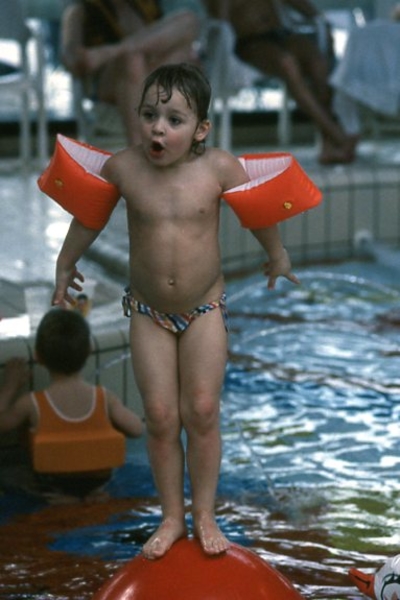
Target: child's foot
point(210, 536)
point(169, 532)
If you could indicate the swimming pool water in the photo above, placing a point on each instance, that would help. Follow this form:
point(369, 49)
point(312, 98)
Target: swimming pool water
point(311, 446)
point(311, 410)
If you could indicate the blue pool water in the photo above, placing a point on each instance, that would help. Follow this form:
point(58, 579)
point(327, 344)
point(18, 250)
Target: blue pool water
point(313, 384)
point(310, 476)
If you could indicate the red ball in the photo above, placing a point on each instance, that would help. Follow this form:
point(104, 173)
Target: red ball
point(186, 572)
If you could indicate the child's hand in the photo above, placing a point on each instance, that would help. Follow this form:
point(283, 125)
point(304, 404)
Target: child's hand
point(279, 266)
point(16, 374)
point(66, 278)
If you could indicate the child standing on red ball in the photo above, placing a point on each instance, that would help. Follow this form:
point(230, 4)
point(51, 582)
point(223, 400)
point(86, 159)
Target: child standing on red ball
point(172, 186)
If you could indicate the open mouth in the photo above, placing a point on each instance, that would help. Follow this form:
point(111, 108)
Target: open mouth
point(156, 147)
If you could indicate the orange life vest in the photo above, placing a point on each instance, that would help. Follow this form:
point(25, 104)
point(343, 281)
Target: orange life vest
point(62, 445)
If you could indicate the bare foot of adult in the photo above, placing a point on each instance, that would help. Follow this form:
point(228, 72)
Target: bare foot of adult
point(210, 536)
point(332, 154)
point(169, 532)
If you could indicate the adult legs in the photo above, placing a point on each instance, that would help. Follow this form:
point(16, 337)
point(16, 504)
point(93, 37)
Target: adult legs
point(348, 112)
point(315, 67)
point(169, 40)
point(121, 84)
point(295, 65)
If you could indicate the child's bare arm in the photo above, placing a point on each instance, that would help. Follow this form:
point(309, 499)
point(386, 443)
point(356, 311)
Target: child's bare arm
point(77, 241)
point(279, 264)
point(230, 170)
point(13, 412)
point(15, 376)
point(124, 419)
point(15, 415)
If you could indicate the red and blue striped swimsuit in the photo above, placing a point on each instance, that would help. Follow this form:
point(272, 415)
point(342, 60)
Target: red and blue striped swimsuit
point(175, 322)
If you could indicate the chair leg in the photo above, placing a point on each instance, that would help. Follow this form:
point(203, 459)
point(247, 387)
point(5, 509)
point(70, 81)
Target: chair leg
point(211, 115)
point(41, 112)
point(225, 127)
point(284, 122)
point(25, 130)
point(42, 136)
point(84, 129)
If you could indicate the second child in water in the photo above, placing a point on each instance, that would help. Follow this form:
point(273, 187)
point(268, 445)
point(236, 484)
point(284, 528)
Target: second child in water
point(172, 186)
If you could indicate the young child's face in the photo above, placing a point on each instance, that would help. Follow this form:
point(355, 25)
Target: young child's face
point(169, 129)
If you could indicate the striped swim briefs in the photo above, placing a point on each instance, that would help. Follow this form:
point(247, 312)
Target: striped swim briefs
point(175, 322)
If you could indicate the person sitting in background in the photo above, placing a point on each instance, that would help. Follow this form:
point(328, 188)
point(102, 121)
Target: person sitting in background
point(76, 429)
point(369, 73)
point(395, 13)
point(120, 42)
point(265, 40)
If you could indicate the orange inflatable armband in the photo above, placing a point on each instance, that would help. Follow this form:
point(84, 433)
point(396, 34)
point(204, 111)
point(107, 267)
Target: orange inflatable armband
point(72, 179)
point(278, 189)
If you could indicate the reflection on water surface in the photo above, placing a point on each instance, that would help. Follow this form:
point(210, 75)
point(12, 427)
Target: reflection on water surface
point(311, 463)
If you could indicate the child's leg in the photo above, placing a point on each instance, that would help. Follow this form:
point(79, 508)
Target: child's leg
point(202, 361)
point(154, 357)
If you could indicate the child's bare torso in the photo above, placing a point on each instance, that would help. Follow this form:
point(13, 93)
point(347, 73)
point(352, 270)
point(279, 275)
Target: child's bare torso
point(173, 220)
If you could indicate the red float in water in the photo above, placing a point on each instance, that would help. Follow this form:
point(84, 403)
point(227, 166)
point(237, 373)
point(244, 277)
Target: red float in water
point(187, 573)
point(384, 584)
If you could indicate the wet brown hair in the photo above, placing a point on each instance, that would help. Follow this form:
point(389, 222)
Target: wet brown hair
point(63, 341)
point(189, 80)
